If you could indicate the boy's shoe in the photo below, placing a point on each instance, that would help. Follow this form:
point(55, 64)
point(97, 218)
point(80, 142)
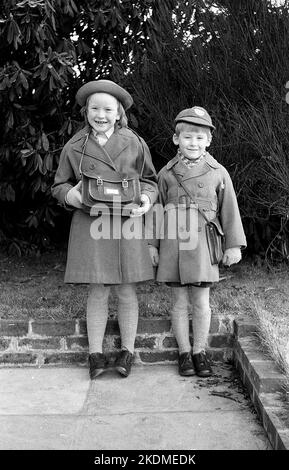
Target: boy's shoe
point(202, 366)
point(124, 362)
point(97, 365)
point(186, 366)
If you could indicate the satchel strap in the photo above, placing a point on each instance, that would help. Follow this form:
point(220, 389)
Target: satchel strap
point(189, 193)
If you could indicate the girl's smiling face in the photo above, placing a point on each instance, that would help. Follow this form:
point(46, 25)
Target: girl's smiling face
point(102, 111)
point(193, 142)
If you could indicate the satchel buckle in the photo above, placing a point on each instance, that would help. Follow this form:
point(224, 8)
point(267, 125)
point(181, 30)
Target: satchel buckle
point(99, 181)
point(124, 184)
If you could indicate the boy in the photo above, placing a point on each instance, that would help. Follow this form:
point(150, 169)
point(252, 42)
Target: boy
point(195, 184)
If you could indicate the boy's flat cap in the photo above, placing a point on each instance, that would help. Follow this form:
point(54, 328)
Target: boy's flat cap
point(195, 115)
point(104, 86)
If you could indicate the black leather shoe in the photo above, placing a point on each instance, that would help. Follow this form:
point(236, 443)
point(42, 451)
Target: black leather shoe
point(202, 366)
point(124, 362)
point(97, 365)
point(186, 366)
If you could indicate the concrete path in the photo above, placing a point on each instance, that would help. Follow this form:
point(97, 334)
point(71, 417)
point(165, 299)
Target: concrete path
point(154, 408)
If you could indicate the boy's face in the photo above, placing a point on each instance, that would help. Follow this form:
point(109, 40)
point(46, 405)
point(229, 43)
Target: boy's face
point(102, 111)
point(193, 142)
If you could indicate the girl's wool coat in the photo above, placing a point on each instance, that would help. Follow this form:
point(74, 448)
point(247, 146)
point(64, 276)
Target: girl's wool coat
point(112, 260)
point(213, 192)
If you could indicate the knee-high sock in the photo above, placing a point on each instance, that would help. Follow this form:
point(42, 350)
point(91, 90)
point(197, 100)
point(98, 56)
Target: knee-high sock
point(201, 318)
point(127, 315)
point(180, 318)
point(96, 316)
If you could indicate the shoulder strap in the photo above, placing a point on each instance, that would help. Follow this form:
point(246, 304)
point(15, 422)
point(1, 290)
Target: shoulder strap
point(181, 183)
point(142, 146)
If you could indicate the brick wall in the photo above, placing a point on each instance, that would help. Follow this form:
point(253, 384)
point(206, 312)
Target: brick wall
point(48, 342)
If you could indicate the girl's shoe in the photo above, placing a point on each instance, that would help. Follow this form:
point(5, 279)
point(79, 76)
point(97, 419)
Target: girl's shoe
point(202, 366)
point(124, 362)
point(186, 366)
point(97, 365)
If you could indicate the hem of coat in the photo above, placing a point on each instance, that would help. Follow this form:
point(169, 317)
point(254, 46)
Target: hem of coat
point(93, 280)
point(188, 281)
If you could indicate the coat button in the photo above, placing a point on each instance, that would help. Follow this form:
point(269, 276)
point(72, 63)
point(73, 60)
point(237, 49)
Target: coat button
point(91, 166)
point(201, 185)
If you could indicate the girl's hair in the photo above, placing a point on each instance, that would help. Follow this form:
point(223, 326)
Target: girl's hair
point(186, 126)
point(121, 122)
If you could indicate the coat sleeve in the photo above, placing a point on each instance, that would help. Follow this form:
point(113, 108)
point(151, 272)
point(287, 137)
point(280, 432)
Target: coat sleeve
point(64, 180)
point(148, 178)
point(229, 214)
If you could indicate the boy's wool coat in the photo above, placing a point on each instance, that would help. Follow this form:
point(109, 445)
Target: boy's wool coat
point(212, 190)
point(105, 261)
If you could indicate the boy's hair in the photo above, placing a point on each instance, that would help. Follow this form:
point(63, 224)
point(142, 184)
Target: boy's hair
point(186, 126)
point(122, 122)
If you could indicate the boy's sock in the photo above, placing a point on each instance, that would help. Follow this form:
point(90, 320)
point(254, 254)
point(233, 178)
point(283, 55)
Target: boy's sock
point(201, 320)
point(96, 316)
point(180, 318)
point(127, 315)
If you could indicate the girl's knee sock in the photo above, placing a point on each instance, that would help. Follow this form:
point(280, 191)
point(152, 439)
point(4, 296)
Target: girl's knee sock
point(96, 316)
point(127, 315)
point(201, 320)
point(180, 319)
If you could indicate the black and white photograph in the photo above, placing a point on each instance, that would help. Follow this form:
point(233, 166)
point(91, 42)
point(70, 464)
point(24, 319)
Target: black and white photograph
point(144, 231)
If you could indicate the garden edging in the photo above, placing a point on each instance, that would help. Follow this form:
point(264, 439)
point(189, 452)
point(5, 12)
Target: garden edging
point(48, 343)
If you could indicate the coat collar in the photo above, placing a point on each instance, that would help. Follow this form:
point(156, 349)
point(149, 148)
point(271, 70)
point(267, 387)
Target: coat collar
point(205, 165)
point(80, 134)
point(117, 142)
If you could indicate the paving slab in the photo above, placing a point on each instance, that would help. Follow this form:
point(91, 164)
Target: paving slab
point(154, 408)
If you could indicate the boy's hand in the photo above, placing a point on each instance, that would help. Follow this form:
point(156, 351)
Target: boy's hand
point(73, 197)
point(143, 208)
point(232, 256)
point(154, 254)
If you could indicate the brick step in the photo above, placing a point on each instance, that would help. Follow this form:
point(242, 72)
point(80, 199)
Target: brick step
point(48, 342)
point(265, 383)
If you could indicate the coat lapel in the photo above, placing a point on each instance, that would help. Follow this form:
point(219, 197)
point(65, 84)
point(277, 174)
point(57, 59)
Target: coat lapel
point(201, 169)
point(117, 142)
point(205, 165)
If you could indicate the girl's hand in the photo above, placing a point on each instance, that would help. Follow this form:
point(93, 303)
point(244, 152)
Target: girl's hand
point(154, 254)
point(143, 208)
point(73, 197)
point(232, 256)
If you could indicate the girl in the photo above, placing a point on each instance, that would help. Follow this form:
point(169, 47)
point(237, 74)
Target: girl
point(107, 147)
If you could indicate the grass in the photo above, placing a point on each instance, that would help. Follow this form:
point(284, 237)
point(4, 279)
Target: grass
point(33, 288)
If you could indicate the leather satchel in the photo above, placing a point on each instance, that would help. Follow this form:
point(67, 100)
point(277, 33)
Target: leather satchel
point(215, 235)
point(214, 231)
point(108, 192)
